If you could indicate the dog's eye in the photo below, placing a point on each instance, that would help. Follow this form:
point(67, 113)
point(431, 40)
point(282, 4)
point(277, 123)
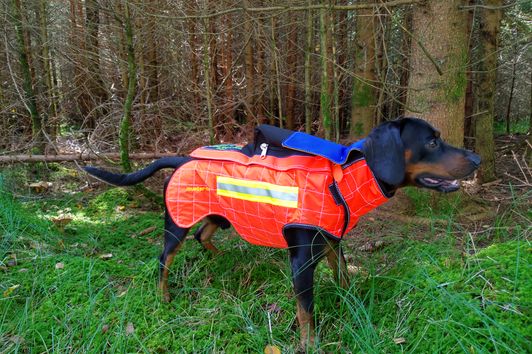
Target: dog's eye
point(433, 144)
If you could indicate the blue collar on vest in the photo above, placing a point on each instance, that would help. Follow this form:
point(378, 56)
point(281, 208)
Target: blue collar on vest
point(316, 146)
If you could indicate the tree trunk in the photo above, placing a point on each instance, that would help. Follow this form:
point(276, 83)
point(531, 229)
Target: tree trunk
point(275, 73)
point(194, 67)
point(228, 105)
point(308, 72)
point(30, 100)
point(325, 97)
point(469, 109)
point(490, 23)
point(512, 86)
point(207, 77)
point(41, 13)
point(404, 70)
point(364, 93)
point(437, 85)
point(125, 124)
point(94, 81)
point(291, 52)
point(150, 56)
point(249, 66)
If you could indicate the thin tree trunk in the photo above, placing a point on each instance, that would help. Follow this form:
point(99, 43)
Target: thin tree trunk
point(261, 79)
point(228, 110)
point(94, 80)
point(249, 66)
point(490, 22)
point(308, 63)
point(47, 67)
point(194, 67)
point(125, 124)
point(325, 98)
point(404, 76)
point(291, 51)
point(512, 86)
point(207, 77)
point(151, 60)
point(276, 73)
point(30, 100)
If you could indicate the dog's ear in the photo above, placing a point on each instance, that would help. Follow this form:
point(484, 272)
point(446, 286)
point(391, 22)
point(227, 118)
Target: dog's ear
point(385, 153)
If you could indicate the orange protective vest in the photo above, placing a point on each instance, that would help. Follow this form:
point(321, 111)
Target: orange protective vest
point(264, 196)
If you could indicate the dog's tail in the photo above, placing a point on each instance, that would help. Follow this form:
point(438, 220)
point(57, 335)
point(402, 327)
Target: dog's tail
point(129, 179)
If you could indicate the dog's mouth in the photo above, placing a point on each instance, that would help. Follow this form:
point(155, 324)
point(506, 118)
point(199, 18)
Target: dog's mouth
point(439, 184)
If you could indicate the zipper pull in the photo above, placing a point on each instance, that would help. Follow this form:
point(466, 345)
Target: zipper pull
point(264, 150)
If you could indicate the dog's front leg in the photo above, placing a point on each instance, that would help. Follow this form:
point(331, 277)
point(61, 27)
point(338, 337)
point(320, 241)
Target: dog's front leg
point(306, 249)
point(303, 279)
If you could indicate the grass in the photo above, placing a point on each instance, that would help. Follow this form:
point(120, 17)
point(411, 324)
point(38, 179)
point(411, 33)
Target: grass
point(520, 126)
point(63, 296)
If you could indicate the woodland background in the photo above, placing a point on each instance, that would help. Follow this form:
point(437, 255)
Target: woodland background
point(113, 81)
point(158, 76)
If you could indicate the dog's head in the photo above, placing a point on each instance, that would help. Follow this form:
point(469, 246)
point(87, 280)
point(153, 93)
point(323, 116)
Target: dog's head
point(409, 151)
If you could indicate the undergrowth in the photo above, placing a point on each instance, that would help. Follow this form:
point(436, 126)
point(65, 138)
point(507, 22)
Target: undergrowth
point(91, 287)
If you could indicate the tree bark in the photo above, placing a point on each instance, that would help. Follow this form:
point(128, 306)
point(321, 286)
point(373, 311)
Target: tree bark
point(325, 97)
point(228, 106)
point(489, 26)
point(439, 28)
point(207, 77)
point(41, 13)
point(30, 99)
point(510, 99)
point(125, 124)
point(95, 85)
point(292, 56)
point(364, 93)
point(82, 157)
point(308, 72)
point(249, 67)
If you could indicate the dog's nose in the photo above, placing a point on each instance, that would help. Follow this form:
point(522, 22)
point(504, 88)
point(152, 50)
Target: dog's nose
point(474, 158)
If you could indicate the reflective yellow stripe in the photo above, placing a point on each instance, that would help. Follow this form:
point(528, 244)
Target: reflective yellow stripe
point(255, 191)
point(256, 184)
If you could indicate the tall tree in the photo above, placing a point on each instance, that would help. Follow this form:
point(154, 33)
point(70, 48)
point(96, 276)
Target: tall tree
point(489, 27)
point(291, 52)
point(364, 93)
point(326, 85)
point(308, 69)
point(438, 63)
point(249, 65)
point(30, 99)
point(125, 124)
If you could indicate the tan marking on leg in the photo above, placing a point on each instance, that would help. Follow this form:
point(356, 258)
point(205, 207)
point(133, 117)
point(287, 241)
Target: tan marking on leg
point(306, 327)
point(338, 265)
point(163, 282)
point(207, 235)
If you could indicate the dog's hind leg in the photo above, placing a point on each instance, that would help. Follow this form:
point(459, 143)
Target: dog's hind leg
point(173, 239)
point(205, 233)
point(204, 236)
point(336, 260)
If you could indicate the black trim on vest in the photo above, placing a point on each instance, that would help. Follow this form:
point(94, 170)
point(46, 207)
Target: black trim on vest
point(339, 200)
point(309, 227)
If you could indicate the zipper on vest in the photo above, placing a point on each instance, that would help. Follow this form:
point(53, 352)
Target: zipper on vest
point(264, 150)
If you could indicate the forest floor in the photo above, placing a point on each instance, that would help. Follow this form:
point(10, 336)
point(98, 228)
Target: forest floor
point(78, 266)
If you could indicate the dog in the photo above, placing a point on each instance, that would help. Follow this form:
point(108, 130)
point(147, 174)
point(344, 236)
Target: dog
point(404, 152)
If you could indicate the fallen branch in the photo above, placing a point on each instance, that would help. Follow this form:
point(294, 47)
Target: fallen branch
point(81, 157)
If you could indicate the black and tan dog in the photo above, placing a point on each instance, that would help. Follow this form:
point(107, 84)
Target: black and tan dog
point(404, 152)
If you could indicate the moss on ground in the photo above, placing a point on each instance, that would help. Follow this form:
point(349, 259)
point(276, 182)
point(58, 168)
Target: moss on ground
point(65, 293)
